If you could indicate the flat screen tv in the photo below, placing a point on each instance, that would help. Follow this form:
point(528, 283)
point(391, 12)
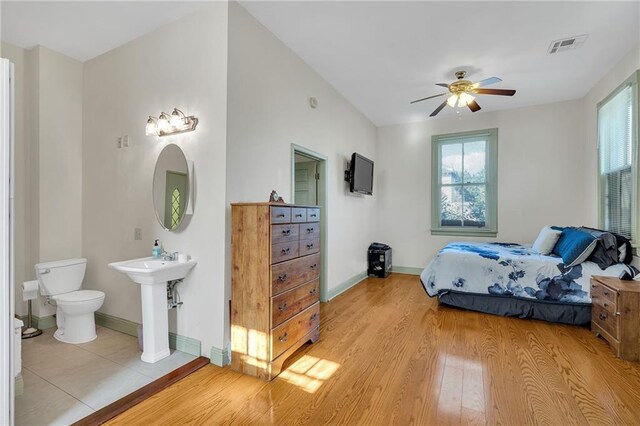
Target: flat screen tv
point(361, 174)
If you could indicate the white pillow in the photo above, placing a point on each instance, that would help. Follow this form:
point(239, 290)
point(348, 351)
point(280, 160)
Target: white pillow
point(546, 240)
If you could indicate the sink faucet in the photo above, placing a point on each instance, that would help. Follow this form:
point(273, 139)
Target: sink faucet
point(169, 256)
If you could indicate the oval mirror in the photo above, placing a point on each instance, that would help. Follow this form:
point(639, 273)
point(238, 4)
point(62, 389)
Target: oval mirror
point(171, 187)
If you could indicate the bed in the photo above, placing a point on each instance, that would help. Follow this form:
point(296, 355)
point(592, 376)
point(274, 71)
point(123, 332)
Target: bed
point(513, 280)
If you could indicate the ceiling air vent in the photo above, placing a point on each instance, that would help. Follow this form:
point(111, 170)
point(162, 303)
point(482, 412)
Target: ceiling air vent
point(557, 46)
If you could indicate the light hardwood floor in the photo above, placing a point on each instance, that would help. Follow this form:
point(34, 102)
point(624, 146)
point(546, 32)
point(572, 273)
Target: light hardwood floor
point(388, 354)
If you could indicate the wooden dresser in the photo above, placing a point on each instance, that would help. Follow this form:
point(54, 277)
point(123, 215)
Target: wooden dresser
point(275, 284)
point(615, 314)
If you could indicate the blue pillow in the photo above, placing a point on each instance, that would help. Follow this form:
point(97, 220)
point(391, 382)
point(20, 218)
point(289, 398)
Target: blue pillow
point(574, 246)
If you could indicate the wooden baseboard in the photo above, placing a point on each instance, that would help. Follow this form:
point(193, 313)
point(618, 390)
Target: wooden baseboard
point(123, 404)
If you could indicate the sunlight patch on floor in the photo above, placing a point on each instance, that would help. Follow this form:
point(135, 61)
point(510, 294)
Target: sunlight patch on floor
point(309, 373)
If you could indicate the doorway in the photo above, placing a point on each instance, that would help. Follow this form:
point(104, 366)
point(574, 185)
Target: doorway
point(309, 187)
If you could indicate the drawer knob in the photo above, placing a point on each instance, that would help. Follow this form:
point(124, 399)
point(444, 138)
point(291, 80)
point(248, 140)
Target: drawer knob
point(285, 251)
point(313, 317)
point(286, 231)
point(282, 277)
point(309, 230)
point(283, 306)
point(312, 291)
point(593, 286)
point(284, 337)
point(314, 266)
point(602, 317)
point(298, 215)
point(606, 305)
point(280, 215)
point(312, 215)
point(606, 293)
point(310, 246)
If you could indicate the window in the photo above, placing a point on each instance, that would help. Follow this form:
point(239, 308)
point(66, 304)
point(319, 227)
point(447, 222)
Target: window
point(617, 164)
point(464, 183)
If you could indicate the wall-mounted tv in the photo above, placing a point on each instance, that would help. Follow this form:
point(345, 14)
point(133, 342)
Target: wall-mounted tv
point(360, 174)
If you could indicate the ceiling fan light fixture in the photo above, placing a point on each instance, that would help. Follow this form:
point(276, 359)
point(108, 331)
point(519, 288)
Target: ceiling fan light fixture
point(452, 100)
point(465, 99)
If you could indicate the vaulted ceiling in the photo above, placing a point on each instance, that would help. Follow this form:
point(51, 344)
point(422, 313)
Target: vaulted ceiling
point(382, 55)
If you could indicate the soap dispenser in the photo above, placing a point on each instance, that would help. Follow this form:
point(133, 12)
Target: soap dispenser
point(156, 251)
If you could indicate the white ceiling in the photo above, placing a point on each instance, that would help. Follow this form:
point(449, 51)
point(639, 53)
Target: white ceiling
point(85, 29)
point(382, 55)
point(379, 55)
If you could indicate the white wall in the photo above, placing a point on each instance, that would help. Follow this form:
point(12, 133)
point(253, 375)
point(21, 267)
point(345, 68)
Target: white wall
point(540, 176)
point(60, 155)
point(184, 65)
point(268, 110)
point(48, 161)
point(23, 272)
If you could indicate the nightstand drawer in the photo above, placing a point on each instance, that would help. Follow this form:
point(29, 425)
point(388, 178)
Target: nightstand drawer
point(606, 320)
point(604, 297)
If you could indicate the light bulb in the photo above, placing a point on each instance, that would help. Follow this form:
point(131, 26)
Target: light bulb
point(152, 128)
point(465, 99)
point(452, 100)
point(163, 123)
point(177, 119)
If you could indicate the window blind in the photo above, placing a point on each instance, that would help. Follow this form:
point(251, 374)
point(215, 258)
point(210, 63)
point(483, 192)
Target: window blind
point(615, 133)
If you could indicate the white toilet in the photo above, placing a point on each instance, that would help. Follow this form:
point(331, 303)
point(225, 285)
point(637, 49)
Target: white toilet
point(61, 282)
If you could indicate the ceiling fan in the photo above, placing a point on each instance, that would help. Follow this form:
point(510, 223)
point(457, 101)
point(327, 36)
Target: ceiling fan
point(461, 91)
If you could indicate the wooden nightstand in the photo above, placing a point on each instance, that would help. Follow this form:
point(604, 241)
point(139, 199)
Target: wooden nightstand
point(615, 314)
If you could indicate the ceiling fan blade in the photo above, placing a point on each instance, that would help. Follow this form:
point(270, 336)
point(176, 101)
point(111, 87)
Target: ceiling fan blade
point(473, 106)
point(437, 110)
point(430, 97)
point(486, 82)
point(502, 92)
point(442, 84)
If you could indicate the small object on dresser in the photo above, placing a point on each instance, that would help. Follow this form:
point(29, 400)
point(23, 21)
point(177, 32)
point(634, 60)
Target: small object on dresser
point(275, 198)
point(615, 314)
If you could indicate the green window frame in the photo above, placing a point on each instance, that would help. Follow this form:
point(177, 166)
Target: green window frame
point(621, 177)
point(464, 214)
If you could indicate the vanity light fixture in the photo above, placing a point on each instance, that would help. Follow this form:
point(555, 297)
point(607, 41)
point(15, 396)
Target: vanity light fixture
point(152, 126)
point(165, 124)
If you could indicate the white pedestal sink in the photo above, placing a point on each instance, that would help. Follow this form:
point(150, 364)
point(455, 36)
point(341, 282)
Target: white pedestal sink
point(152, 275)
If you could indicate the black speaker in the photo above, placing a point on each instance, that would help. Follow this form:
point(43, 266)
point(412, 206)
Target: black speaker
point(379, 260)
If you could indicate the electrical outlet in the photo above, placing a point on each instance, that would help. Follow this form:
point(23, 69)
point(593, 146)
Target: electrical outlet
point(125, 141)
point(137, 234)
point(119, 142)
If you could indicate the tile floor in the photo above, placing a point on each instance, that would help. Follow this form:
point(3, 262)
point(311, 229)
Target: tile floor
point(64, 383)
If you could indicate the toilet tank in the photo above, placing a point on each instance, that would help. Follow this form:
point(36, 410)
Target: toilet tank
point(61, 276)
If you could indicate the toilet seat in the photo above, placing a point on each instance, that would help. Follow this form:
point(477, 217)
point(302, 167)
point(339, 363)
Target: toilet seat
point(79, 296)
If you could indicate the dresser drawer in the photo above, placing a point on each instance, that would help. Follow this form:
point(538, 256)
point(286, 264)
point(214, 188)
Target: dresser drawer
point(280, 214)
point(606, 320)
point(287, 304)
point(309, 246)
point(284, 233)
point(603, 296)
point(298, 214)
point(284, 251)
point(309, 231)
point(313, 215)
point(294, 329)
point(286, 275)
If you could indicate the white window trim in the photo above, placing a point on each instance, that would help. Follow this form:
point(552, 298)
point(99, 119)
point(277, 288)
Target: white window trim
point(491, 228)
point(633, 80)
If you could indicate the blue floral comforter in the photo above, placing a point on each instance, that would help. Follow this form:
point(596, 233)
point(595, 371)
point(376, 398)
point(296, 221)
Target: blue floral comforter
point(510, 270)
